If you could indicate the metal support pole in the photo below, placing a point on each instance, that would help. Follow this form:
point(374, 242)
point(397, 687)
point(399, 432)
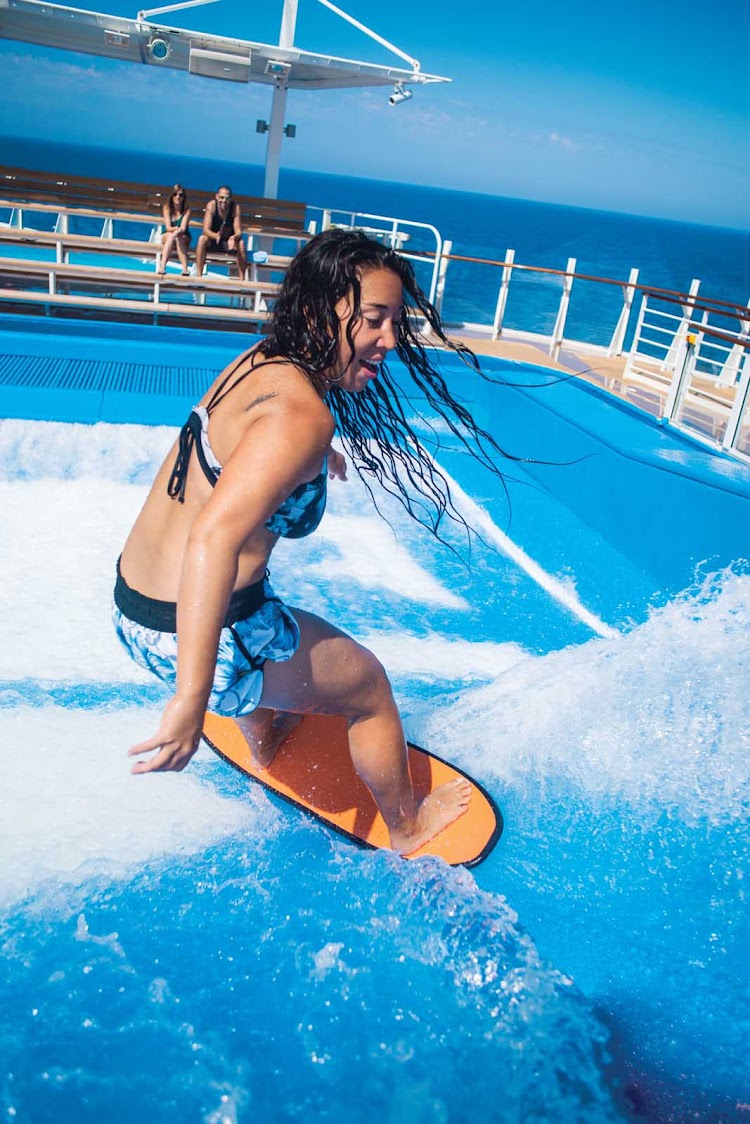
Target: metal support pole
point(275, 134)
point(288, 23)
point(278, 106)
point(502, 299)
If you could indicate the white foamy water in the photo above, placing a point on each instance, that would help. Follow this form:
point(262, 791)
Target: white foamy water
point(657, 717)
point(70, 809)
point(368, 552)
point(654, 720)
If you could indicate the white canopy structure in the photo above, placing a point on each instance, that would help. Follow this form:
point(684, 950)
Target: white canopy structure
point(283, 65)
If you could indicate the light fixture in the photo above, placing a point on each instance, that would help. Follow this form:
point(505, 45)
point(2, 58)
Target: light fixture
point(209, 63)
point(262, 126)
point(400, 93)
point(276, 69)
point(159, 48)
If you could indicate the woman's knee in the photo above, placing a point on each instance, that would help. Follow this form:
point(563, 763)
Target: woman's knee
point(375, 689)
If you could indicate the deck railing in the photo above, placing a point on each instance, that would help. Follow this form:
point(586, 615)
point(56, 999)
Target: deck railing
point(692, 351)
point(689, 346)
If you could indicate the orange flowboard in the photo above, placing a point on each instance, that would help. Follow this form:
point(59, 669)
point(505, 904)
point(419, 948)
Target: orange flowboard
point(313, 769)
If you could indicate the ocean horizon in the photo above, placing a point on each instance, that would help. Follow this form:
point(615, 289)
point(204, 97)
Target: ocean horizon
point(668, 254)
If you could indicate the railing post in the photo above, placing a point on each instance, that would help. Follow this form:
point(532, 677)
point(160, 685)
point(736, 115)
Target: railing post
point(636, 336)
point(675, 348)
point(739, 406)
point(107, 229)
point(731, 368)
point(326, 220)
point(443, 263)
point(683, 372)
point(502, 297)
point(562, 312)
point(52, 286)
point(617, 342)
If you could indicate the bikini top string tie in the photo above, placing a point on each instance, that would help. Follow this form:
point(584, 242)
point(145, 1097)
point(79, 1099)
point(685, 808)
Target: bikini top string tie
point(178, 479)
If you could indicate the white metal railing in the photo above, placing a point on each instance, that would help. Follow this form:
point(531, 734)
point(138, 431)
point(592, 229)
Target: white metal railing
point(681, 345)
point(555, 340)
point(704, 366)
point(695, 366)
point(396, 232)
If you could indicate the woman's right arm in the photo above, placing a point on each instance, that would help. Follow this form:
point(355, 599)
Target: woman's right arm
point(280, 451)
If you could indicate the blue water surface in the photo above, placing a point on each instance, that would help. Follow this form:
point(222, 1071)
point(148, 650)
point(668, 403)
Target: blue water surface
point(194, 950)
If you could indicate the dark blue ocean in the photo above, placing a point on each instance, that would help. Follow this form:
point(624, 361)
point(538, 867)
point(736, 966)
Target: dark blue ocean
point(604, 243)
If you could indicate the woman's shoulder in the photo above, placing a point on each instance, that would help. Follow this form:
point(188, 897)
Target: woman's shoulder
point(275, 387)
point(283, 386)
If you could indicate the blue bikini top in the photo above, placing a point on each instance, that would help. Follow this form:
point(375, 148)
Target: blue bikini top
point(299, 514)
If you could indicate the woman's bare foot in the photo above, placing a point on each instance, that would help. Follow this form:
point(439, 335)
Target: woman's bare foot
point(265, 731)
point(441, 808)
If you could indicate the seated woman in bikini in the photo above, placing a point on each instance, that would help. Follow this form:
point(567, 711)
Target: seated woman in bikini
point(193, 602)
point(176, 218)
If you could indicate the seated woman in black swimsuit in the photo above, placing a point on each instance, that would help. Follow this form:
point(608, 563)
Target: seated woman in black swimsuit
point(176, 217)
point(193, 602)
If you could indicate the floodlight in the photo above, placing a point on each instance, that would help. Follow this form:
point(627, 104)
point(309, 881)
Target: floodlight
point(400, 93)
point(159, 48)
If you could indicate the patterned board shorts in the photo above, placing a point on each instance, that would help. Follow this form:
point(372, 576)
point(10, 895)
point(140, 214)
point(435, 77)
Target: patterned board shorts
point(258, 627)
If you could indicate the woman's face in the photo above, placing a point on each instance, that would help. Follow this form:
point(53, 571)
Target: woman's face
point(375, 333)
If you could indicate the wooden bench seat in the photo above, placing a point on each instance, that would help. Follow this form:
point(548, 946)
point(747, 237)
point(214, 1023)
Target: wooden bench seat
point(123, 308)
point(64, 244)
point(124, 208)
point(85, 192)
point(16, 276)
point(95, 277)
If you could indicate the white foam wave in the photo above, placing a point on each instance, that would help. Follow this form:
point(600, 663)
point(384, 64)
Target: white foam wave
point(659, 717)
point(33, 450)
point(437, 657)
point(561, 589)
point(58, 544)
point(371, 555)
point(71, 810)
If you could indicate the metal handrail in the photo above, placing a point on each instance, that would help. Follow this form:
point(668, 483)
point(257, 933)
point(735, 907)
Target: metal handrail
point(676, 294)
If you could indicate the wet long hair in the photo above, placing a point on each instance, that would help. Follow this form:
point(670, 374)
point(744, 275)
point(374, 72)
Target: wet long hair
point(373, 425)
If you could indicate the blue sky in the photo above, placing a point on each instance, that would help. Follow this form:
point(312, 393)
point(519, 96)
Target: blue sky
point(641, 107)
